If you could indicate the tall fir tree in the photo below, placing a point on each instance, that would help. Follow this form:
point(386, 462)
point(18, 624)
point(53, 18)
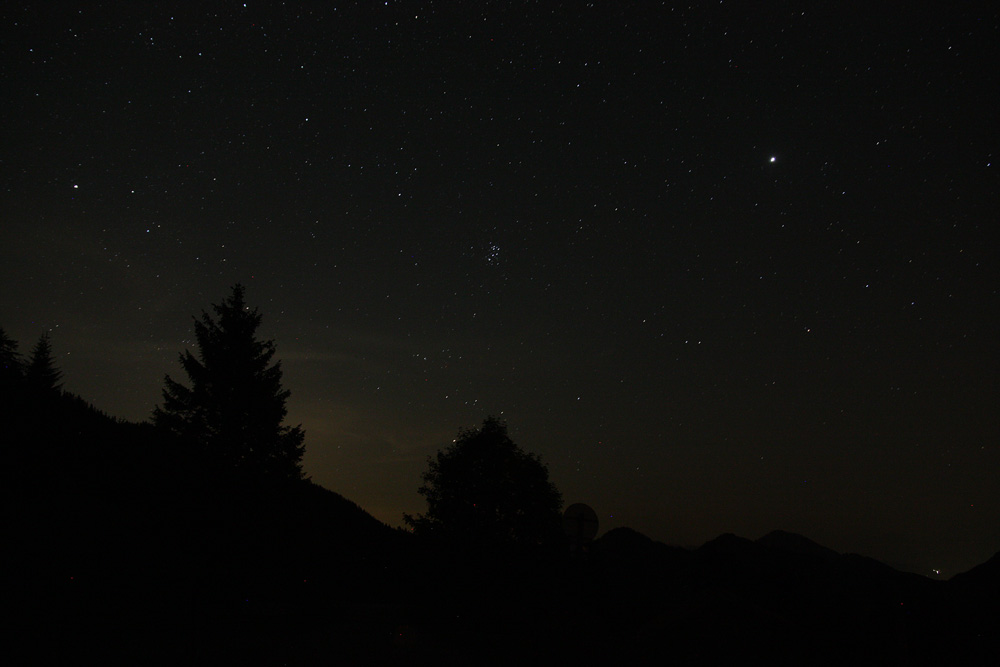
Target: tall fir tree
point(235, 405)
point(41, 373)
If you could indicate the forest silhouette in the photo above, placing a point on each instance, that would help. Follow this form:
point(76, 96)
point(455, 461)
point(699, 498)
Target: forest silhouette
point(195, 539)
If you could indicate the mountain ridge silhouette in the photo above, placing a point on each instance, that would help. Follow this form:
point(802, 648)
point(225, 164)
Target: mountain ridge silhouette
point(123, 545)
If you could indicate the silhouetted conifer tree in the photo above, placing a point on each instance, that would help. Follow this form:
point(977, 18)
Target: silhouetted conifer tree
point(484, 491)
point(235, 405)
point(10, 360)
point(41, 373)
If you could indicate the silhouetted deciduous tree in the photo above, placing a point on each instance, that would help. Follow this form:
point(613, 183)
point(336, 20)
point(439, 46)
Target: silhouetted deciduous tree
point(235, 405)
point(41, 373)
point(485, 491)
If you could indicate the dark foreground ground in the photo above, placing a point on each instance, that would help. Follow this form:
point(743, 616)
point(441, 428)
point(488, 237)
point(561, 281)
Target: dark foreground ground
point(781, 600)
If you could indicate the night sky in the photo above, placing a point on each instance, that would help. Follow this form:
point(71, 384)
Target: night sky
point(726, 268)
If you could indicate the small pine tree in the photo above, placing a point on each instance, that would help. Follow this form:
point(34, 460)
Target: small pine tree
point(11, 371)
point(10, 358)
point(41, 373)
point(235, 405)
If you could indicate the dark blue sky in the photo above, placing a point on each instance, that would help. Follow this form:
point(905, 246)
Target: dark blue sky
point(723, 268)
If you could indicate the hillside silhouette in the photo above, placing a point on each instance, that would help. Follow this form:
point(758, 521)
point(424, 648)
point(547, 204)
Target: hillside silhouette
point(123, 547)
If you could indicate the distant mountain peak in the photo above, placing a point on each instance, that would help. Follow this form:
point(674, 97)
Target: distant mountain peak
point(626, 533)
point(728, 543)
point(782, 540)
point(984, 577)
